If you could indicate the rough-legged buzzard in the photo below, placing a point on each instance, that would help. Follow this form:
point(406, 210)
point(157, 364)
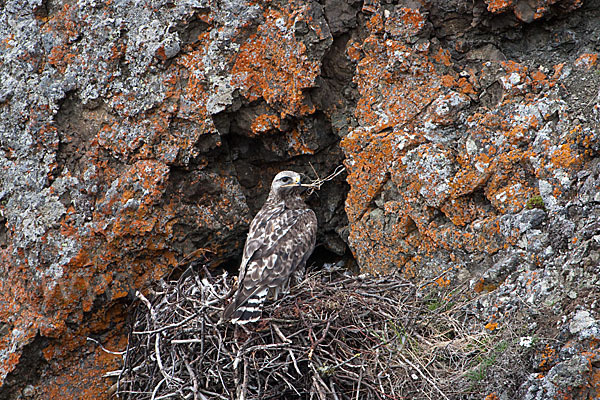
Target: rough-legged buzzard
point(281, 238)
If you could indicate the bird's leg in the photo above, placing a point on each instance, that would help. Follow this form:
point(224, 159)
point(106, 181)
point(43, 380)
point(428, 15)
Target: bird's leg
point(285, 289)
point(298, 274)
point(275, 294)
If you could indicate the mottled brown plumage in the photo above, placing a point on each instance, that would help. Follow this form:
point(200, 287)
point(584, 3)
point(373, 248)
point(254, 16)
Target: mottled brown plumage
point(281, 238)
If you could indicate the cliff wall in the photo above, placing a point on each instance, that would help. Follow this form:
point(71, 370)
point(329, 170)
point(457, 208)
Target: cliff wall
point(137, 135)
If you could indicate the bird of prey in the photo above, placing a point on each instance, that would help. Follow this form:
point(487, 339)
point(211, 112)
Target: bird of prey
point(281, 238)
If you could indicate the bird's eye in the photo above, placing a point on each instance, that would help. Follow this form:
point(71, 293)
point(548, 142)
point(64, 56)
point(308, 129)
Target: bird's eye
point(285, 179)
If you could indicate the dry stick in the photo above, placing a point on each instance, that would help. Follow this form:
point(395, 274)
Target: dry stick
point(314, 343)
point(166, 396)
point(317, 183)
point(125, 362)
point(319, 391)
point(295, 363)
point(156, 389)
point(171, 326)
point(118, 353)
point(112, 374)
point(184, 341)
point(144, 300)
point(280, 334)
point(333, 391)
point(420, 363)
point(219, 369)
point(263, 347)
point(293, 388)
point(422, 375)
point(244, 381)
point(213, 394)
point(159, 360)
point(359, 381)
point(193, 376)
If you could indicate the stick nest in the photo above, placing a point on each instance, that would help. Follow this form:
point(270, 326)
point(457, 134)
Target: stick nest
point(335, 336)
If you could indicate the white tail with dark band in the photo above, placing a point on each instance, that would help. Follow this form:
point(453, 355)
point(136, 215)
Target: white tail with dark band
point(251, 310)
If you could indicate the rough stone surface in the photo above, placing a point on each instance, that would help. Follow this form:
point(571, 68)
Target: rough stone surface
point(135, 134)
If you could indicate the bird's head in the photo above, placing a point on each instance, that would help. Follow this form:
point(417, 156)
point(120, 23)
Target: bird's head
point(286, 181)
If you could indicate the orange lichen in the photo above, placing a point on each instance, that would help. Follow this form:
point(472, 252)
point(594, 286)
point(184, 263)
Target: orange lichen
point(586, 60)
point(444, 57)
point(353, 50)
point(566, 156)
point(498, 6)
point(478, 287)
point(264, 123)
point(405, 22)
point(442, 282)
point(273, 65)
point(448, 81)
point(547, 359)
point(491, 326)
point(375, 23)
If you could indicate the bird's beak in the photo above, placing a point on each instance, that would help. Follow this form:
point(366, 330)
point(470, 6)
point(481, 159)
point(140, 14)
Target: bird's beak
point(297, 183)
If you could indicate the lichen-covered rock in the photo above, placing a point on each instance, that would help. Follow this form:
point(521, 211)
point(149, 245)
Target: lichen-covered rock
point(527, 10)
point(128, 133)
point(136, 135)
point(446, 148)
point(476, 159)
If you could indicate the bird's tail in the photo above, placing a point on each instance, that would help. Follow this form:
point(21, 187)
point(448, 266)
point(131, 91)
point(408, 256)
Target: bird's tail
point(246, 309)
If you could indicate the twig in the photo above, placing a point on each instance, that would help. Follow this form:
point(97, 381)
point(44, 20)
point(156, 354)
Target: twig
point(280, 334)
point(193, 376)
point(360, 376)
point(156, 389)
point(295, 363)
point(144, 300)
point(118, 353)
point(158, 358)
point(164, 328)
point(423, 375)
point(185, 341)
point(317, 183)
point(244, 389)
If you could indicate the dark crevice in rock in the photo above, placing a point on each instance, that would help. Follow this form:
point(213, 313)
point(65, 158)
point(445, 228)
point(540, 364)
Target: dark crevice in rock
point(41, 12)
point(254, 163)
point(27, 372)
point(323, 257)
point(190, 31)
point(479, 197)
point(336, 93)
point(3, 233)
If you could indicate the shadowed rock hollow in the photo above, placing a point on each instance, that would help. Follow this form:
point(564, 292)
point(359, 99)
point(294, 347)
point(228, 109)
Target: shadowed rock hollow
point(133, 135)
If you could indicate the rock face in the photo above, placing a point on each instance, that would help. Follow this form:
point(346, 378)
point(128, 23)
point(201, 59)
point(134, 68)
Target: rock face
point(135, 135)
